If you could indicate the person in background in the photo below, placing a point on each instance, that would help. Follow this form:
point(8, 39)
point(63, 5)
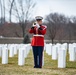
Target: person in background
point(38, 30)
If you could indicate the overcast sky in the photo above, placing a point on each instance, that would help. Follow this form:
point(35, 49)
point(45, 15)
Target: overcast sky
point(67, 7)
point(44, 7)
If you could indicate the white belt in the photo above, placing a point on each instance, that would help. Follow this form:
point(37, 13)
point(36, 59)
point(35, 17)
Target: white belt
point(39, 35)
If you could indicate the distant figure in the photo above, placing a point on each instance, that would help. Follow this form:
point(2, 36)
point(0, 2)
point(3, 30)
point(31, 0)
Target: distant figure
point(37, 43)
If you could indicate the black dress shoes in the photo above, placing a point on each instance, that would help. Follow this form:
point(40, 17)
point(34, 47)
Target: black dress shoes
point(37, 67)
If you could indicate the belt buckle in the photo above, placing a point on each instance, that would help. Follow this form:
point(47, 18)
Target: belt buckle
point(36, 34)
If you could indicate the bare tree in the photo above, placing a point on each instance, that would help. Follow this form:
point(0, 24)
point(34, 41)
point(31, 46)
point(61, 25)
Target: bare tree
point(10, 11)
point(72, 28)
point(2, 6)
point(1, 10)
point(4, 9)
point(52, 26)
point(55, 23)
point(23, 10)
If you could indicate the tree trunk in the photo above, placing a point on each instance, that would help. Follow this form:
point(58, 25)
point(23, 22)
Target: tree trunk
point(23, 30)
point(4, 9)
point(1, 11)
point(11, 10)
point(52, 41)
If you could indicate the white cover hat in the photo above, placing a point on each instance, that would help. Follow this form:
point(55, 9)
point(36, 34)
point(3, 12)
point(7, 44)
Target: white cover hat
point(38, 17)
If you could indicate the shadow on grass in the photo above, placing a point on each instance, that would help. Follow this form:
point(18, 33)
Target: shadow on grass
point(71, 67)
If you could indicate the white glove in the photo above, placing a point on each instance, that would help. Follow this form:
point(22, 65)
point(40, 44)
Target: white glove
point(34, 24)
point(37, 25)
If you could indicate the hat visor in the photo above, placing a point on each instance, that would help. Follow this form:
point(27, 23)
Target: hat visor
point(38, 19)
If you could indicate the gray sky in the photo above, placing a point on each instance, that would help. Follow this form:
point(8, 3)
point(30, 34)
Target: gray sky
point(44, 7)
point(66, 7)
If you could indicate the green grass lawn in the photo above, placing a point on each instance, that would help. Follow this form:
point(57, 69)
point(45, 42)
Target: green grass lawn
point(50, 67)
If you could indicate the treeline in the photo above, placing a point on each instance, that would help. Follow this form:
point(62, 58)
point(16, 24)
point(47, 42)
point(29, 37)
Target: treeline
point(59, 27)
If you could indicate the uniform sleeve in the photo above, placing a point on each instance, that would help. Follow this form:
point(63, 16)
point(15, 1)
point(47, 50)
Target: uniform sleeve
point(31, 30)
point(43, 30)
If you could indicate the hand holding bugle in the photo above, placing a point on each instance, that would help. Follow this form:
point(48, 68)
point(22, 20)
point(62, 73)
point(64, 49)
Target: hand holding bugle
point(35, 24)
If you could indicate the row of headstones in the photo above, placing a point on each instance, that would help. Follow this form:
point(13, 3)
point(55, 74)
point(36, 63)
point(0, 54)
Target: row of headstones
point(59, 52)
point(22, 50)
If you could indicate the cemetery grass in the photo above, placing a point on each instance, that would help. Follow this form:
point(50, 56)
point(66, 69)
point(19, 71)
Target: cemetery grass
point(50, 67)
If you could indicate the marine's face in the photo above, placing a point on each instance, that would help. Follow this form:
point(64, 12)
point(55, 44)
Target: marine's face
point(39, 22)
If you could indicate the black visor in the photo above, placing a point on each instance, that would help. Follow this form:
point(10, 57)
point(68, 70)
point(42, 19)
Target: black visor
point(38, 19)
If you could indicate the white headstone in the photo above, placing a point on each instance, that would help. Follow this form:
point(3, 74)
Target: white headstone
point(62, 58)
point(25, 51)
point(49, 49)
point(11, 51)
point(43, 59)
point(54, 52)
point(21, 58)
point(4, 55)
point(15, 50)
point(64, 46)
point(72, 53)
